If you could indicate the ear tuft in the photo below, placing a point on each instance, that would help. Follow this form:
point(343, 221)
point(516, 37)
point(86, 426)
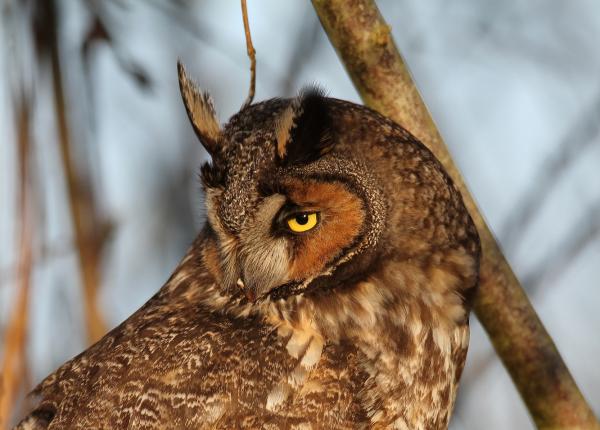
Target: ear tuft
point(303, 130)
point(200, 110)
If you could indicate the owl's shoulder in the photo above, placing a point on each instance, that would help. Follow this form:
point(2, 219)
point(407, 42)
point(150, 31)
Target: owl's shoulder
point(183, 361)
point(174, 359)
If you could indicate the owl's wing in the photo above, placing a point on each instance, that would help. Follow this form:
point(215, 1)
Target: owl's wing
point(179, 363)
point(175, 364)
point(174, 361)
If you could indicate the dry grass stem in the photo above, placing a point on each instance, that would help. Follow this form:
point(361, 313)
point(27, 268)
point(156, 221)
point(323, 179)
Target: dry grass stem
point(14, 358)
point(84, 217)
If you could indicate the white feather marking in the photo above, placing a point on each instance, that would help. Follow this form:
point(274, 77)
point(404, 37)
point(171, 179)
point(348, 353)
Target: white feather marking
point(284, 331)
point(442, 339)
point(302, 426)
point(215, 411)
point(400, 424)
point(311, 387)
point(313, 353)
point(377, 416)
point(277, 396)
point(180, 276)
point(298, 343)
point(298, 376)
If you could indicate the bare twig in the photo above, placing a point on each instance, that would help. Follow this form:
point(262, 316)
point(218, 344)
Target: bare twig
point(251, 55)
point(364, 43)
point(14, 359)
point(100, 31)
point(179, 12)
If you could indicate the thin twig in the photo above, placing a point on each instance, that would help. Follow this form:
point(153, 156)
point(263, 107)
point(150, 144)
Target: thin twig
point(195, 29)
point(364, 43)
point(251, 55)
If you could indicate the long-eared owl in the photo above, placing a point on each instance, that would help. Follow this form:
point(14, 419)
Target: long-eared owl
point(328, 289)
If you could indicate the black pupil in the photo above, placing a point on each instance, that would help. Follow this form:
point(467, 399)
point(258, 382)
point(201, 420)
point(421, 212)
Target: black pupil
point(302, 219)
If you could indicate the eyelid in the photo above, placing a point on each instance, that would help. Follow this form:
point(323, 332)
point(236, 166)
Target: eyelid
point(302, 212)
point(290, 209)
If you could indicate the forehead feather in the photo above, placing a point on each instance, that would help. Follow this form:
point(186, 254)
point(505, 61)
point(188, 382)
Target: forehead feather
point(248, 150)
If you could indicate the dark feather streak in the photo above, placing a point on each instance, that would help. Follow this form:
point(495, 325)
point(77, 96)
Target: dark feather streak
point(310, 136)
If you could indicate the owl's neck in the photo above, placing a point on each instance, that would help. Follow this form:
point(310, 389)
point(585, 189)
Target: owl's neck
point(408, 321)
point(410, 326)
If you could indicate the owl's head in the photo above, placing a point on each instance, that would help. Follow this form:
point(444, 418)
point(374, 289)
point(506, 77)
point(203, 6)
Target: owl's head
point(311, 193)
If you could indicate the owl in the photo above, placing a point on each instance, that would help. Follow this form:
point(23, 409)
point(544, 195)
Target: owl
point(329, 288)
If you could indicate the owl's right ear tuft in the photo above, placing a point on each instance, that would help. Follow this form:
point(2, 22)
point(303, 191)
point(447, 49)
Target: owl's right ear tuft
point(303, 130)
point(200, 110)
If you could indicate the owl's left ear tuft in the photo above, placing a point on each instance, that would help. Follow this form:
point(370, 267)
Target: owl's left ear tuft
point(303, 130)
point(200, 110)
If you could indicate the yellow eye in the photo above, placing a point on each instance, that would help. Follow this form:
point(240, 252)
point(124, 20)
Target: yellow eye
point(302, 222)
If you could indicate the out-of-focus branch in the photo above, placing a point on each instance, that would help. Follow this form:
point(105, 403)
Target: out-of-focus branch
point(44, 253)
point(88, 238)
point(582, 134)
point(364, 43)
point(585, 232)
point(14, 359)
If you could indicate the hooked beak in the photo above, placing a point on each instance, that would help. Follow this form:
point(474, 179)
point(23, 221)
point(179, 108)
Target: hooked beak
point(248, 292)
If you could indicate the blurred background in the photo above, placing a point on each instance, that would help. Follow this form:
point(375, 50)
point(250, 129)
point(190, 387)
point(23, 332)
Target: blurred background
point(99, 196)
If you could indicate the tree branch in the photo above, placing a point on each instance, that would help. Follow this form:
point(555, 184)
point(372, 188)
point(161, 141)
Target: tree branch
point(365, 46)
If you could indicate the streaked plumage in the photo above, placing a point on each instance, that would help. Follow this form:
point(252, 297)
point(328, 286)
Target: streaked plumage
point(359, 322)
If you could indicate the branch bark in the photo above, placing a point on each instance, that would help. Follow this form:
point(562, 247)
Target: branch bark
point(365, 46)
